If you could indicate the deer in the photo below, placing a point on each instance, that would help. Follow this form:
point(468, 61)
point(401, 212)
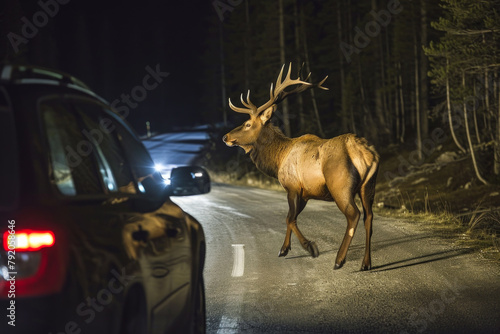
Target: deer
point(309, 167)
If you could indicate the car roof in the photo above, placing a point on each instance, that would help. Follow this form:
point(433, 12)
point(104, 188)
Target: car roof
point(20, 79)
point(35, 75)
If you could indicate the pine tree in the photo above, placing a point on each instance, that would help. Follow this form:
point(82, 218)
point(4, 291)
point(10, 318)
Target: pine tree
point(466, 55)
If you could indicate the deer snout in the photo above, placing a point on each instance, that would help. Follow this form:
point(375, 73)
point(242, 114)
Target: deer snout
point(228, 141)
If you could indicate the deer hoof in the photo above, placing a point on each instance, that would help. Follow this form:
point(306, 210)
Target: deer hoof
point(283, 252)
point(339, 265)
point(313, 249)
point(365, 267)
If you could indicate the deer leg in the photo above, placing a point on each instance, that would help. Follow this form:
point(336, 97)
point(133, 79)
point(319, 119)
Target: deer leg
point(367, 195)
point(308, 245)
point(368, 218)
point(294, 208)
point(296, 204)
point(286, 244)
point(351, 211)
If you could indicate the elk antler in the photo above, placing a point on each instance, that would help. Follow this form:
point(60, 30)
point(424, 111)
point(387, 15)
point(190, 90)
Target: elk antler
point(277, 94)
point(250, 109)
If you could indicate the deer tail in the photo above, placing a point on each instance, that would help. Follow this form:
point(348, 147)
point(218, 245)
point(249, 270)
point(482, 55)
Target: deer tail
point(364, 157)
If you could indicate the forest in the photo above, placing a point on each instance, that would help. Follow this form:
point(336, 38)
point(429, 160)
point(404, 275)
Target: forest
point(408, 74)
point(418, 78)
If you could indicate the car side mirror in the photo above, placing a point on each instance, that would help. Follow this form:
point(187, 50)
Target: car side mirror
point(188, 180)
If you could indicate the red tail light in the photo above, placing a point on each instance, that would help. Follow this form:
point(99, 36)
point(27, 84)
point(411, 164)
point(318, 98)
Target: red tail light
point(28, 240)
point(39, 263)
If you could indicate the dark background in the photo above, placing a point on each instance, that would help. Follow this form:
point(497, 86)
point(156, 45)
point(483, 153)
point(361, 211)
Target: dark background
point(108, 44)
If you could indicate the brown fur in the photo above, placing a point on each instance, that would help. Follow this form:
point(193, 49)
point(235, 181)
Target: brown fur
point(309, 167)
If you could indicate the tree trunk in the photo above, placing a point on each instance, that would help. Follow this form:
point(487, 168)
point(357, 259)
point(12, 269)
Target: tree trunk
point(248, 34)
point(351, 118)
point(469, 140)
point(486, 85)
point(397, 110)
point(351, 104)
point(368, 126)
point(496, 167)
point(417, 93)
point(386, 65)
point(379, 83)
point(286, 119)
point(474, 114)
point(402, 103)
point(222, 74)
point(424, 68)
point(298, 59)
point(308, 69)
point(448, 107)
point(496, 96)
point(343, 112)
point(487, 98)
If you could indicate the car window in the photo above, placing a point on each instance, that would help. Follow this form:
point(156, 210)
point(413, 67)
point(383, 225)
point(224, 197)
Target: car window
point(149, 180)
point(72, 167)
point(113, 165)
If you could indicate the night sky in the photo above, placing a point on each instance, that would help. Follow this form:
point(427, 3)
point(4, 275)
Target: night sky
point(110, 46)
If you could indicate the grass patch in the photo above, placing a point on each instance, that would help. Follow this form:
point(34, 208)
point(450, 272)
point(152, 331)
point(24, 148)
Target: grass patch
point(442, 194)
point(474, 232)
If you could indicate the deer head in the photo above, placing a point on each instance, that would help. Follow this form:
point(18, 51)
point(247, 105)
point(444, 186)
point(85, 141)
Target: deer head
point(246, 134)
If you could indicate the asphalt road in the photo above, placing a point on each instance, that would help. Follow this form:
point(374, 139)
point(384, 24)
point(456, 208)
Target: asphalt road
point(419, 283)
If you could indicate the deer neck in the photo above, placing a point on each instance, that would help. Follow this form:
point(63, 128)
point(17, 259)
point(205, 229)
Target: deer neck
point(269, 150)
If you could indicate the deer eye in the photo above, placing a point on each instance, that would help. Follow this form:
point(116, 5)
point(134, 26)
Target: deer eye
point(248, 125)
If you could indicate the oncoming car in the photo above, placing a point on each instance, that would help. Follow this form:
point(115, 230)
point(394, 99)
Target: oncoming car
point(91, 242)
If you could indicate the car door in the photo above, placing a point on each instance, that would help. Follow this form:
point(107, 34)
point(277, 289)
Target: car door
point(155, 232)
point(90, 207)
point(169, 255)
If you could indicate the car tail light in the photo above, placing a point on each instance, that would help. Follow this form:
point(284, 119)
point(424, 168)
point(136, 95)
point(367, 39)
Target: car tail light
point(37, 263)
point(28, 240)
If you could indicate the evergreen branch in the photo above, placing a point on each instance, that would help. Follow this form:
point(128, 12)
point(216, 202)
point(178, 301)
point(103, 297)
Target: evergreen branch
point(471, 32)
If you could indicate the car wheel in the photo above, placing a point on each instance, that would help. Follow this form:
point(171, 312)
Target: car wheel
point(198, 322)
point(134, 318)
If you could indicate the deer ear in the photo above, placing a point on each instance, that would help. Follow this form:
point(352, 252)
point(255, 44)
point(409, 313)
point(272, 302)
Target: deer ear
point(267, 114)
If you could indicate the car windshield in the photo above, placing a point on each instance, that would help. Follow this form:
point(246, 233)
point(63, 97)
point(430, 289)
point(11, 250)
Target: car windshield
point(9, 175)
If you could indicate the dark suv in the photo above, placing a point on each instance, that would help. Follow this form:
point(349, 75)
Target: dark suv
point(91, 241)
